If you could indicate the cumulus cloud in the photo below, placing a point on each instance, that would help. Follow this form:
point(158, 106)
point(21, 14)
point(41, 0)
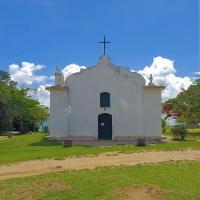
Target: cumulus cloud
point(197, 73)
point(43, 95)
point(71, 69)
point(164, 73)
point(25, 74)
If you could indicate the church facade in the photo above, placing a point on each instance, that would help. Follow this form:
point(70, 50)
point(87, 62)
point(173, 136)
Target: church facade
point(104, 103)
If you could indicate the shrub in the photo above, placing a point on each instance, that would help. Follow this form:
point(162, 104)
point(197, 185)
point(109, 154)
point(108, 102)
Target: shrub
point(179, 131)
point(164, 125)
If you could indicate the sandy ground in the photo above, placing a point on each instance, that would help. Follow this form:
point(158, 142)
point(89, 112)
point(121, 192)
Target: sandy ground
point(146, 192)
point(36, 167)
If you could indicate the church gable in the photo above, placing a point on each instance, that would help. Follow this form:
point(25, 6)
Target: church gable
point(103, 68)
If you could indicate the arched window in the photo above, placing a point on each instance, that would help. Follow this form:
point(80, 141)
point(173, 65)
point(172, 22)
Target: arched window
point(104, 99)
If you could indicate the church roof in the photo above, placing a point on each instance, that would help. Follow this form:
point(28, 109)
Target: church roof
point(105, 60)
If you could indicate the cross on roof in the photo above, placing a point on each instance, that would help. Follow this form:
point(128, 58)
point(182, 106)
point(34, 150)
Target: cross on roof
point(151, 78)
point(104, 45)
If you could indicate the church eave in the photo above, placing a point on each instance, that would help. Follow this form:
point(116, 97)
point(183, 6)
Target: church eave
point(59, 88)
point(161, 87)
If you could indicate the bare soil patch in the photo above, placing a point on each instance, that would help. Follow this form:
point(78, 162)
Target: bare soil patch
point(29, 192)
point(3, 137)
point(142, 192)
point(35, 167)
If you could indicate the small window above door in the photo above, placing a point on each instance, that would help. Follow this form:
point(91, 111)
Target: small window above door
point(104, 99)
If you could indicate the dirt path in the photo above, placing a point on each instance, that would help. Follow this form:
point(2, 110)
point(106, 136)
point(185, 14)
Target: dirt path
point(35, 167)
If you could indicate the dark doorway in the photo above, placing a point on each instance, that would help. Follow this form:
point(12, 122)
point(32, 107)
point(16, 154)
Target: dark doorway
point(105, 126)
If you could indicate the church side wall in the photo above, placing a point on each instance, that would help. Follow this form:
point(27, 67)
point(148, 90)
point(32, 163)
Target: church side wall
point(58, 114)
point(152, 112)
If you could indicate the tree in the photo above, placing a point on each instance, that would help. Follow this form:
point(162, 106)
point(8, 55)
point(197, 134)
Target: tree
point(185, 108)
point(17, 110)
point(5, 78)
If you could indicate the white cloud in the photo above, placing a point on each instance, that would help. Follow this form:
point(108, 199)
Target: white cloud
point(163, 72)
point(197, 73)
point(43, 95)
point(71, 69)
point(24, 75)
point(52, 78)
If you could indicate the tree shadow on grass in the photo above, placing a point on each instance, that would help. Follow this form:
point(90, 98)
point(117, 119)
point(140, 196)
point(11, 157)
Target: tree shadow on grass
point(45, 142)
point(195, 135)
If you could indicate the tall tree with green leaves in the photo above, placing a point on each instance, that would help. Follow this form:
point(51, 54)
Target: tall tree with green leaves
point(17, 110)
point(186, 106)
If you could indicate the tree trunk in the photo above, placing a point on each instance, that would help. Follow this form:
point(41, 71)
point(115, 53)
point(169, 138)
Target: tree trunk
point(34, 126)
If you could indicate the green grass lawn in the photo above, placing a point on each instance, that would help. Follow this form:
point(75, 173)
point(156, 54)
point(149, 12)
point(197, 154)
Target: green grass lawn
point(180, 181)
point(28, 147)
point(193, 134)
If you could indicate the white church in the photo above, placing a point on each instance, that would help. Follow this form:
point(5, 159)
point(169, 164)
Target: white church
point(104, 102)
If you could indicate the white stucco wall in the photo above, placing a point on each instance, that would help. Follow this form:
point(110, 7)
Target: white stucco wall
point(58, 113)
point(126, 93)
point(152, 112)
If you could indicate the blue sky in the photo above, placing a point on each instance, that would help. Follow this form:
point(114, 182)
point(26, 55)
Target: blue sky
point(60, 32)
